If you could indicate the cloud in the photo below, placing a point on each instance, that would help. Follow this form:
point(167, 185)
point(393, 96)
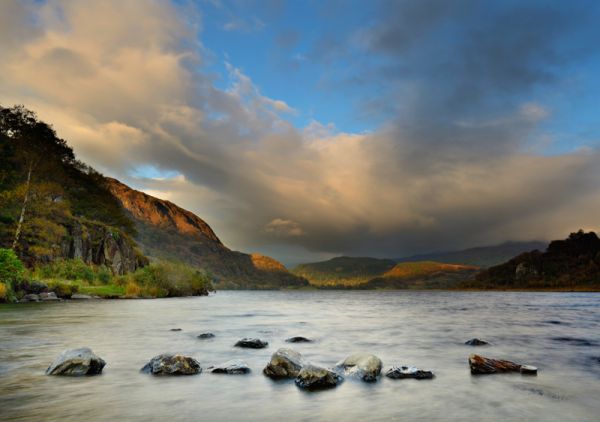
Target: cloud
point(125, 84)
point(282, 227)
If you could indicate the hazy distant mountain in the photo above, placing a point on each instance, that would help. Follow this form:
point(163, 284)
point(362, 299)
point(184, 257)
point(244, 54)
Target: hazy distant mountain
point(573, 263)
point(484, 256)
point(422, 275)
point(167, 231)
point(343, 270)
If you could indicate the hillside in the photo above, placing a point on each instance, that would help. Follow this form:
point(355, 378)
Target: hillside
point(422, 275)
point(167, 231)
point(484, 256)
point(573, 263)
point(343, 270)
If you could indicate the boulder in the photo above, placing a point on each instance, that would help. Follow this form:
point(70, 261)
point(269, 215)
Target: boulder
point(172, 365)
point(30, 298)
point(76, 362)
point(313, 377)
point(483, 365)
point(362, 365)
point(251, 343)
point(49, 296)
point(233, 367)
point(285, 363)
point(476, 342)
point(206, 335)
point(79, 296)
point(298, 339)
point(403, 372)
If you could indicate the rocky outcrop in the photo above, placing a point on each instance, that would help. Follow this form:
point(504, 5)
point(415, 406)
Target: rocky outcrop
point(313, 377)
point(232, 367)
point(165, 230)
point(172, 365)
point(48, 297)
point(76, 362)
point(98, 244)
point(251, 343)
point(205, 336)
point(285, 363)
point(404, 372)
point(476, 342)
point(481, 365)
point(362, 365)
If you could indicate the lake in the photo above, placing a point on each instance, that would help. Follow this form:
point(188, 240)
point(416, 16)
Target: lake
point(557, 332)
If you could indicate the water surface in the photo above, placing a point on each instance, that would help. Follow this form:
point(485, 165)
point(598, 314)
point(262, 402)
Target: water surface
point(557, 332)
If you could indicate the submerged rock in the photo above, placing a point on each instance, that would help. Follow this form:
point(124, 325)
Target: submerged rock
point(403, 372)
point(76, 362)
point(313, 377)
point(285, 363)
point(232, 367)
point(206, 335)
point(252, 343)
point(298, 339)
point(483, 365)
point(172, 365)
point(476, 342)
point(362, 365)
point(79, 296)
point(175, 329)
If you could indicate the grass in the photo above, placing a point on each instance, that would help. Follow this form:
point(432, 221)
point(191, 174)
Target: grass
point(104, 291)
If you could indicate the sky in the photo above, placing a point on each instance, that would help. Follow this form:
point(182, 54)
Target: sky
point(310, 129)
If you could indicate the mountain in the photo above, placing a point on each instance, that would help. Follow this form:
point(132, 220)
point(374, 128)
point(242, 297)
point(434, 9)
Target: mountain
point(484, 256)
point(573, 263)
point(343, 270)
point(422, 275)
point(167, 231)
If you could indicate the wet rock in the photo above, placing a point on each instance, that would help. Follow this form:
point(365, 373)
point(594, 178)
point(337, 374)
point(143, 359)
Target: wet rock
point(362, 365)
point(76, 362)
point(476, 342)
point(79, 296)
point(285, 363)
point(403, 372)
point(206, 335)
point(172, 365)
point(251, 343)
point(298, 339)
point(313, 377)
point(30, 298)
point(483, 365)
point(528, 370)
point(47, 297)
point(233, 367)
point(175, 329)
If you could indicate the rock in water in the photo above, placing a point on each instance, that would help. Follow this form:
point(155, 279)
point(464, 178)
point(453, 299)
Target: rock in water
point(76, 362)
point(172, 365)
point(175, 329)
point(363, 365)
point(233, 367)
point(408, 372)
point(285, 363)
point(252, 343)
point(482, 365)
point(476, 342)
point(298, 339)
point(45, 297)
point(528, 370)
point(206, 335)
point(30, 298)
point(79, 296)
point(313, 377)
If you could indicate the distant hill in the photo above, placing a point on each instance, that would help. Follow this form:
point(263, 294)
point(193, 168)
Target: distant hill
point(422, 275)
point(484, 256)
point(167, 231)
point(343, 270)
point(573, 263)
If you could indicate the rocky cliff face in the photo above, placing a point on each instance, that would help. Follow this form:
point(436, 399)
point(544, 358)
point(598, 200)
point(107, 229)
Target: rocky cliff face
point(101, 245)
point(167, 231)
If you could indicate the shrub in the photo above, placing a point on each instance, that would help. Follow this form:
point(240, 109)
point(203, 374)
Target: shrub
point(133, 290)
point(72, 269)
point(104, 275)
point(3, 292)
point(173, 279)
point(11, 268)
point(63, 289)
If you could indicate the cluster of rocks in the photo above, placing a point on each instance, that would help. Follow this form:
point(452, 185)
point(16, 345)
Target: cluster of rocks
point(285, 363)
point(51, 296)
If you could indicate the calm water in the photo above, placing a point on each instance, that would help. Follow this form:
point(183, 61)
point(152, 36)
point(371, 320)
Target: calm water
point(559, 333)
